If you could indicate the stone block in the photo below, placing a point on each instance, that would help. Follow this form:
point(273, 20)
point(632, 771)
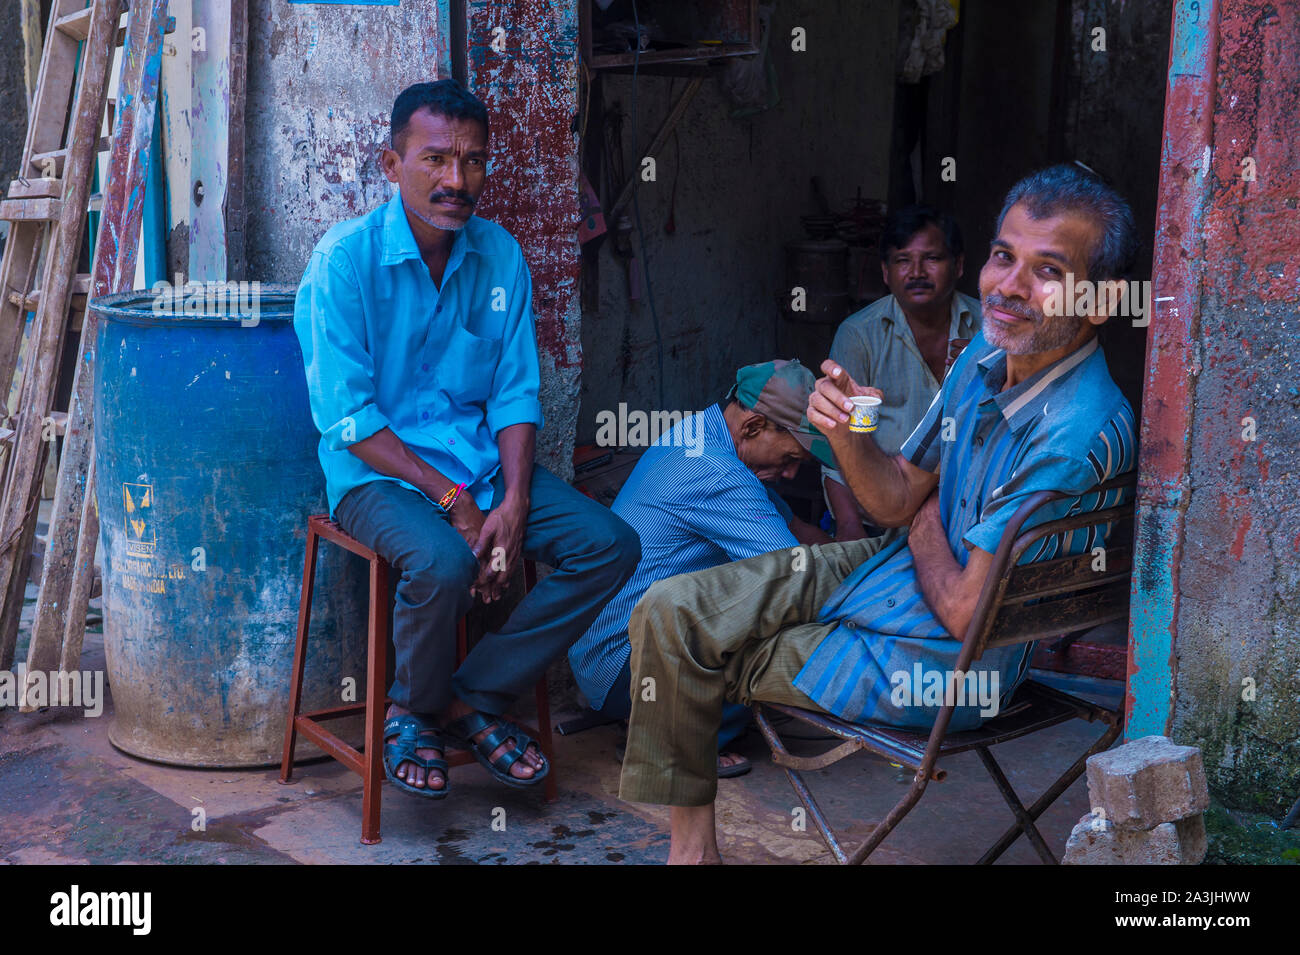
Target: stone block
point(1147, 782)
point(1096, 841)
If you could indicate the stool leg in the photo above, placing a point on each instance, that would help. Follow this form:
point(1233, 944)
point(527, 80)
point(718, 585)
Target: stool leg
point(376, 697)
point(545, 740)
point(299, 654)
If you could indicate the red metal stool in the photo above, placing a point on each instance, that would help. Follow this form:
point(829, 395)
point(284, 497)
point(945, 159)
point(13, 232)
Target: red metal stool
point(369, 765)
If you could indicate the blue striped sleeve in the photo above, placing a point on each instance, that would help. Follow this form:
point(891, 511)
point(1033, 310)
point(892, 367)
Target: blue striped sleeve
point(1044, 473)
point(922, 446)
point(737, 515)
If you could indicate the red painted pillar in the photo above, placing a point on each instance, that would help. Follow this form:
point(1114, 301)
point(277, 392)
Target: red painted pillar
point(1215, 651)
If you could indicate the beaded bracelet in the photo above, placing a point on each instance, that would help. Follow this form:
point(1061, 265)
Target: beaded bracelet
point(449, 499)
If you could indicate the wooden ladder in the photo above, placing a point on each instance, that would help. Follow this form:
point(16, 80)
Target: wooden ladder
point(47, 209)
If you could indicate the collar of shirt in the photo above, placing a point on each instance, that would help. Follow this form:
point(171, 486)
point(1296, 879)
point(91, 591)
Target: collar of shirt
point(399, 241)
point(1018, 404)
point(961, 324)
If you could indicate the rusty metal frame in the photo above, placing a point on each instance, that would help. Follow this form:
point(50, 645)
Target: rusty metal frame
point(1034, 708)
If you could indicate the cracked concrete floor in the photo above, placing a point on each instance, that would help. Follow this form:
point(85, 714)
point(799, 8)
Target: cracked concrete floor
point(69, 796)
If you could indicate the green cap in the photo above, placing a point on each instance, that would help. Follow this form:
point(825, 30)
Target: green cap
point(779, 390)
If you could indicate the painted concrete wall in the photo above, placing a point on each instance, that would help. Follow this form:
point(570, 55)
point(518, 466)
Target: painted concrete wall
point(321, 81)
point(742, 186)
point(1216, 644)
point(522, 61)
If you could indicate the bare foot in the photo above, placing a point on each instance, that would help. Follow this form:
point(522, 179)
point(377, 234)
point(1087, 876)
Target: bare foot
point(694, 836)
point(410, 773)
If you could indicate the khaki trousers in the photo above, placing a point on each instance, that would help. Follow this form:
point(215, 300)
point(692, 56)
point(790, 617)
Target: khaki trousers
point(738, 632)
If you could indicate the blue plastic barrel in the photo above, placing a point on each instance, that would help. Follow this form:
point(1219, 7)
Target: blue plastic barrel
point(206, 472)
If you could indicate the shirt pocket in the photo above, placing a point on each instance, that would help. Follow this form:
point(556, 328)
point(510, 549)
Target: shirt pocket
point(466, 367)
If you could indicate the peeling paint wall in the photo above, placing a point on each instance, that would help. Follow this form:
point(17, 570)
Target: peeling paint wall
point(1233, 599)
point(522, 61)
point(321, 82)
point(1240, 612)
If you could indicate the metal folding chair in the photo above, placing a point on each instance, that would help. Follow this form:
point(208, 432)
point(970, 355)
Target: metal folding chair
point(1018, 604)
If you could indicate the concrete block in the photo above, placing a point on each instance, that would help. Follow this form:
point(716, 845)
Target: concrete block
point(1147, 782)
point(1096, 841)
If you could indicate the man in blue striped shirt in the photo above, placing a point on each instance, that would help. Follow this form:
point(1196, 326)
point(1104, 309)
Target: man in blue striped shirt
point(1028, 406)
point(697, 499)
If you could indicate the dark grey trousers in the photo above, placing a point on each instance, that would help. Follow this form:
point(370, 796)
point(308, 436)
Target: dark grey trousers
point(592, 550)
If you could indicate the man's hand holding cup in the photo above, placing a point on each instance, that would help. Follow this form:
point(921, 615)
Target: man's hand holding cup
point(832, 407)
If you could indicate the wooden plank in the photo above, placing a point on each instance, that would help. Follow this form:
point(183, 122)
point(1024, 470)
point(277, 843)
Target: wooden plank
point(86, 582)
point(47, 124)
point(22, 480)
point(209, 144)
point(1017, 624)
point(50, 163)
point(236, 253)
point(1050, 577)
point(32, 300)
point(38, 188)
point(68, 574)
point(75, 25)
point(17, 273)
point(58, 418)
point(31, 210)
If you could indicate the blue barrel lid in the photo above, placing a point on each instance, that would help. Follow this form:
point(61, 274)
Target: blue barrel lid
point(199, 304)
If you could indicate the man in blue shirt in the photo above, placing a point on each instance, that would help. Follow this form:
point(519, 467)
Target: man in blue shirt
point(1028, 406)
point(416, 326)
point(697, 499)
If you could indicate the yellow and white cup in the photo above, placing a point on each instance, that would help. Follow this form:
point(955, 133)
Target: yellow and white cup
point(866, 413)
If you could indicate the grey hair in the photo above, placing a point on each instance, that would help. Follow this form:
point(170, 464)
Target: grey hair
point(1063, 188)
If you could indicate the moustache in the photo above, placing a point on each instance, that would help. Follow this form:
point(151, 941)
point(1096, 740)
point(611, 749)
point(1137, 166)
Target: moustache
point(918, 285)
point(1019, 309)
point(464, 197)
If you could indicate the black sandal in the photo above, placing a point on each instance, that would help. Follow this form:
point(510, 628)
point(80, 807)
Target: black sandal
point(414, 732)
point(461, 731)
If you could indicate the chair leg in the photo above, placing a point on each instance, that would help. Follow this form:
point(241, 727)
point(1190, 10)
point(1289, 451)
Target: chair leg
point(545, 739)
point(901, 809)
point(920, 780)
point(299, 655)
point(800, 787)
point(376, 695)
point(1053, 793)
point(1024, 822)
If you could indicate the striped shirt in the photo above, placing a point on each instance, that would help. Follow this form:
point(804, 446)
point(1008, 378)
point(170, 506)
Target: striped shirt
point(695, 506)
point(1066, 428)
point(878, 350)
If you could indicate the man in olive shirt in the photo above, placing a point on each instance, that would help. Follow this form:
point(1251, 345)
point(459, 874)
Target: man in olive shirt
point(903, 343)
